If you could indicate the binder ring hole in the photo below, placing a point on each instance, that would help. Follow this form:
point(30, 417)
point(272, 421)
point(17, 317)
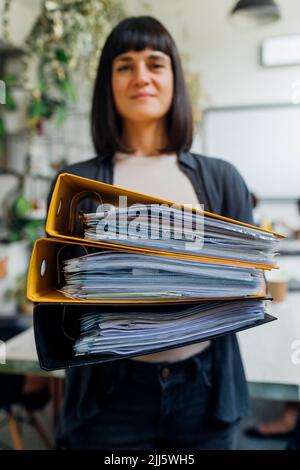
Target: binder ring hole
point(59, 207)
point(43, 268)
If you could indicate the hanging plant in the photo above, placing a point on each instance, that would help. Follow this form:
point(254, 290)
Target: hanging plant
point(66, 34)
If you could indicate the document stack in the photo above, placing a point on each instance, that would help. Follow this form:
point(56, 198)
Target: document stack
point(122, 280)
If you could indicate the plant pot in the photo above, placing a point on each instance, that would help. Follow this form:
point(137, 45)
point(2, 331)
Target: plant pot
point(26, 307)
point(278, 290)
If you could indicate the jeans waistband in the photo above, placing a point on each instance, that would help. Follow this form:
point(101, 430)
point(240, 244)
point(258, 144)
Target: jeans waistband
point(154, 370)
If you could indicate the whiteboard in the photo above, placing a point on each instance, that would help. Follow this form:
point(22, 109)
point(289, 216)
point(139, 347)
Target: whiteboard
point(263, 142)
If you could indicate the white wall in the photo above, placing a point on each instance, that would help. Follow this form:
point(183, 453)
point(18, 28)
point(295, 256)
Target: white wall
point(21, 18)
point(227, 56)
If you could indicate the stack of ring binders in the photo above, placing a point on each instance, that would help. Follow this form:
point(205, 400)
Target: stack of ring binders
point(124, 274)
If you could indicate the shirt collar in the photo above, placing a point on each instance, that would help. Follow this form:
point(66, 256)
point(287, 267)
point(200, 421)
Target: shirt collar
point(187, 159)
point(184, 158)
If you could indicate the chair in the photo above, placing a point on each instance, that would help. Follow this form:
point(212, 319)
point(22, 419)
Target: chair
point(11, 392)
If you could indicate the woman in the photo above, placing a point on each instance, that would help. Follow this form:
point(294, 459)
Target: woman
point(190, 397)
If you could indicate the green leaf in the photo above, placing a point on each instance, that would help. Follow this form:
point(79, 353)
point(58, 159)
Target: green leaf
point(60, 115)
point(42, 85)
point(34, 110)
point(2, 134)
point(62, 56)
point(14, 236)
point(66, 89)
point(10, 80)
point(46, 107)
point(11, 104)
point(22, 206)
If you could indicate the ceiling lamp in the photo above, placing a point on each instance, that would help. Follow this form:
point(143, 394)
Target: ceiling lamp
point(255, 12)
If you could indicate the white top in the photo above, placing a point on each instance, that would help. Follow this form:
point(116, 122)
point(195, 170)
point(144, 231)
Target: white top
point(158, 176)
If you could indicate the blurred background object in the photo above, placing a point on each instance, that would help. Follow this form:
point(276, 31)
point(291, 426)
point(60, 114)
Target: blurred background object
point(255, 12)
point(3, 267)
point(278, 290)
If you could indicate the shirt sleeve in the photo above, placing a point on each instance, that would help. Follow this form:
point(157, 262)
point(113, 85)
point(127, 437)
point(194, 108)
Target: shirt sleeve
point(237, 197)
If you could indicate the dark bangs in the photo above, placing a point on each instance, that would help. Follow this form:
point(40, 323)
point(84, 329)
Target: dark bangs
point(137, 34)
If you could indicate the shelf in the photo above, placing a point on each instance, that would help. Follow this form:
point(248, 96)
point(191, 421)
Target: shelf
point(279, 200)
point(9, 51)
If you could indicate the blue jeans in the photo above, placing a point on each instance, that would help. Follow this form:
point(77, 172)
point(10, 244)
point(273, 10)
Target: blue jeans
point(294, 441)
point(156, 406)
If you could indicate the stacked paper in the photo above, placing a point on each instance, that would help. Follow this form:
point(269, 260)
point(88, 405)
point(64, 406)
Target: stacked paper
point(181, 231)
point(121, 275)
point(139, 332)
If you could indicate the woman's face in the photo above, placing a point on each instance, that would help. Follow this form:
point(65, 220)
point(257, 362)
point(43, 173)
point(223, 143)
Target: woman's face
point(142, 85)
